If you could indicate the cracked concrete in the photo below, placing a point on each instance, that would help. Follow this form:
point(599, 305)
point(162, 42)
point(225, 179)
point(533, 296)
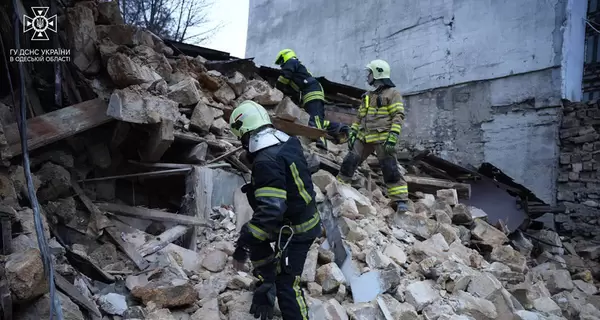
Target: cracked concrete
point(414, 36)
point(482, 80)
point(472, 123)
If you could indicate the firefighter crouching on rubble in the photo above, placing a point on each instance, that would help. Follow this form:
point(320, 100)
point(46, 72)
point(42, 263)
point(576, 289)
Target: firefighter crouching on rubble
point(282, 197)
point(298, 83)
point(380, 120)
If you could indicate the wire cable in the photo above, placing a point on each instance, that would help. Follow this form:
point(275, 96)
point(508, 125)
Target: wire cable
point(55, 307)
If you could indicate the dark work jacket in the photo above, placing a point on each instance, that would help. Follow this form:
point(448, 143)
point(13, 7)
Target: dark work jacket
point(296, 78)
point(281, 193)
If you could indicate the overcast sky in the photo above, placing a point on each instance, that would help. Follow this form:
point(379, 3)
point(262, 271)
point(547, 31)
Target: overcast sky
point(232, 37)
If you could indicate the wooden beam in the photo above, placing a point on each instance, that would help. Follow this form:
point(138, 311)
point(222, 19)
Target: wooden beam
point(151, 174)
point(149, 214)
point(162, 240)
point(161, 138)
point(434, 171)
point(224, 155)
point(98, 221)
point(85, 265)
point(197, 201)
point(238, 164)
point(65, 286)
point(177, 165)
point(115, 234)
point(191, 138)
point(544, 208)
point(340, 117)
point(431, 185)
point(58, 125)
point(291, 128)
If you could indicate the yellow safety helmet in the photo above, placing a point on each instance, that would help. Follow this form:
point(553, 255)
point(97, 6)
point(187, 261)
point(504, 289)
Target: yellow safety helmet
point(248, 116)
point(284, 55)
point(381, 71)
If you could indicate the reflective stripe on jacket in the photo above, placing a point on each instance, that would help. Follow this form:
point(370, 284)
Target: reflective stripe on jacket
point(294, 75)
point(283, 191)
point(381, 112)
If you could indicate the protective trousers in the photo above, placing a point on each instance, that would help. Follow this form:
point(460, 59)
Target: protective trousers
point(316, 110)
point(287, 279)
point(397, 188)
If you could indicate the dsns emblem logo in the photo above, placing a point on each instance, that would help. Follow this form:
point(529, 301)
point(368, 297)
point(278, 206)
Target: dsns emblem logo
point(39, 23)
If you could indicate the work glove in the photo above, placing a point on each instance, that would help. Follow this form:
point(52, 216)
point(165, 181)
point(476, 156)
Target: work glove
point(263, 301)
point(249, 191)
point(390, 143)
point(240, 256)
point(351, 138)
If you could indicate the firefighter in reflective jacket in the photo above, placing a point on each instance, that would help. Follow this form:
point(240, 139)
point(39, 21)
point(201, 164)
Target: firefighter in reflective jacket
point(378, 128)
point(282, 197)
point(298, 83)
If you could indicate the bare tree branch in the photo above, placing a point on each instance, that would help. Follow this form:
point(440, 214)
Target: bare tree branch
point(172, 19)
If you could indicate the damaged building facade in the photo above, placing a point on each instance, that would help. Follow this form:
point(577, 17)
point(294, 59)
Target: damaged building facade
point(483, 81)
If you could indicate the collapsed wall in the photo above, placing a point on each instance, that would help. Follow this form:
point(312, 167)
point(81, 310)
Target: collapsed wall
point(579, 176)
point(499, 104)
point(511, 122)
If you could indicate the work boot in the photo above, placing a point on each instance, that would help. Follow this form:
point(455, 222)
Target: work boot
point(343, 180)
point(401, 206)
point(342, 135)
point(321, 144)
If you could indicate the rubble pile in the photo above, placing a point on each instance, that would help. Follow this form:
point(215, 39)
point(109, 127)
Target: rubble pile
point(142, 213)
point(438, 261)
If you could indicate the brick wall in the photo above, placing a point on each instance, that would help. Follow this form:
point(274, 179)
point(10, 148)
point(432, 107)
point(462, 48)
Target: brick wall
point(579, 175)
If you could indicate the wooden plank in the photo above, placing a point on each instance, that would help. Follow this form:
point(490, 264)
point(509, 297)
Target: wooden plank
point(197, 202)
point(434, 172)
point(161, 173)
point(57, 125)
point(67, 288)
point(450, 168)
point(177, 165)
point(543, 209)
point(431, 185)
point(161, 138)
point(128, 249)
point(149, 214)
point(88, 267)
point(288, 127)
point(192, 138)
point(98, 221)
point(224, 155)
point(162, 240)
point(238, 164)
